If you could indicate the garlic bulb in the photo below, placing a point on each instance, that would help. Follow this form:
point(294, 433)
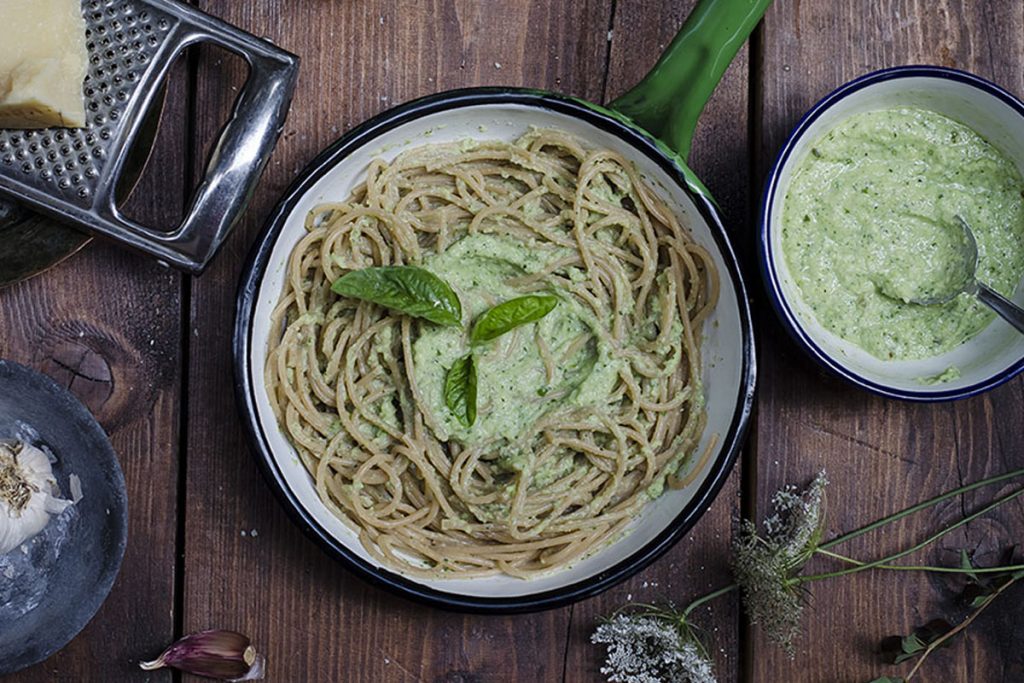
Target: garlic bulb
point(28, 494)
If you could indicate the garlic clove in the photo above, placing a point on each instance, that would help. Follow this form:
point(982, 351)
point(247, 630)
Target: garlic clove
point(224, 655)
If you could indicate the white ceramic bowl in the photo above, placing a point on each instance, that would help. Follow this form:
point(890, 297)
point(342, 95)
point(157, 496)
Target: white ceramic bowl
point(496, 114)
point(989, 359)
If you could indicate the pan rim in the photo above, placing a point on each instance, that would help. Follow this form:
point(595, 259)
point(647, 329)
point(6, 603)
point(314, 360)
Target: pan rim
point(255, 269)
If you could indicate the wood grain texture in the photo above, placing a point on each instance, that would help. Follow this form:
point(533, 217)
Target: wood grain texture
point(107, 324)
point(315, 621)
point(883, 455)
point(641, 31)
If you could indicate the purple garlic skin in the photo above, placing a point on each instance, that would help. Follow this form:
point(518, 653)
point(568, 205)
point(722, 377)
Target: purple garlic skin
point(218, 654)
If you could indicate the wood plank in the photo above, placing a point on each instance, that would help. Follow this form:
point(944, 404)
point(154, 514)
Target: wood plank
point(641, 31)
point(107, 324)
point(316, 621)
point(883, 455)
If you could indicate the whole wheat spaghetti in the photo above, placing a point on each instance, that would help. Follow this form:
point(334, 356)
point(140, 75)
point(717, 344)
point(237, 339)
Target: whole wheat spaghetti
point(612, 411)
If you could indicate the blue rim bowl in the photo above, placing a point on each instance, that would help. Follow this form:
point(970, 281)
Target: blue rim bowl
point(945, 82)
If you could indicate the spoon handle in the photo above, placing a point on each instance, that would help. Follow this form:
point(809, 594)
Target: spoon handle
point(1007, 310)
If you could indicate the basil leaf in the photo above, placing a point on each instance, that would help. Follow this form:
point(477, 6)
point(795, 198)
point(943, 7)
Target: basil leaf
point(460, 390)
point(406, 289)
point(510, 315)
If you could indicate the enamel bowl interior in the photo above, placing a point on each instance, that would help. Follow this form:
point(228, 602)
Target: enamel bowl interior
point(992, 356)
point(725, 367)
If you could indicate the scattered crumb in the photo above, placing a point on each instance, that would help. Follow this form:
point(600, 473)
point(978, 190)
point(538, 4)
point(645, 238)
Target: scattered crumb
point(497, 65)
point(244, 533)
point(254, 533)
point(75, 484)
point(610, 34)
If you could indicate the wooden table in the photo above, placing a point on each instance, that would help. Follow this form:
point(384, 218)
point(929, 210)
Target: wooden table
point(149, 352)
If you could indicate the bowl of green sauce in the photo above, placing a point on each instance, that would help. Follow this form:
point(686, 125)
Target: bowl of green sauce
point(861, 209)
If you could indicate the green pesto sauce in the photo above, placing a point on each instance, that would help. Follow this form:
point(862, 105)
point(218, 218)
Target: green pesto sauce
point(513, 390)
point(948, 375)
point(869, 222)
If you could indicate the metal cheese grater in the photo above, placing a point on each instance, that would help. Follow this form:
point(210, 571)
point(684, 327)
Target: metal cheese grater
point(72, 174)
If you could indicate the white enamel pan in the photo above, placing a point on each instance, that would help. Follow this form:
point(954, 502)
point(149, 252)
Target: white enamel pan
point(652, 125)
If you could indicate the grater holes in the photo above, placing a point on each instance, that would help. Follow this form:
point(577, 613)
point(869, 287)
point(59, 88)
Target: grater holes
point(121, 38)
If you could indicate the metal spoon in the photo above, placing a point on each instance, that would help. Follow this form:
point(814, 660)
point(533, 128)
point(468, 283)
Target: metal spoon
point(1007, 310)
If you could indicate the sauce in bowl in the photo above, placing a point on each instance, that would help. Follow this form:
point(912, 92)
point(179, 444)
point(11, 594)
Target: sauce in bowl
point(869, 221)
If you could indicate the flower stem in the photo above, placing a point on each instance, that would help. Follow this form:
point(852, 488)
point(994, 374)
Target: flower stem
point(959, 627)
point(914, 548)
point(921, 506)
point(708, 598)
point(926, 568)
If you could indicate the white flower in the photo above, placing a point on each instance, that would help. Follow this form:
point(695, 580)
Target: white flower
point(652, 648)
point(764, 565)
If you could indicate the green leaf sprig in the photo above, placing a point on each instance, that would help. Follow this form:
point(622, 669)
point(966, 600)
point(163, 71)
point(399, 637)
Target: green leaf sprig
point(421, 294)
point(406, 289)
point(460, 382)
point(511, 314)
point(460, 390)
point(984, 585)
point(768, 569)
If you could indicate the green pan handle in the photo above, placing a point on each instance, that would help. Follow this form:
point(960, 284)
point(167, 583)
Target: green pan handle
point(669, 100)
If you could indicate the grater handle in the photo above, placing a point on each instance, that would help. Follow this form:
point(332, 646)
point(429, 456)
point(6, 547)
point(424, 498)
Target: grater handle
point(238, 158)
point(236, 162)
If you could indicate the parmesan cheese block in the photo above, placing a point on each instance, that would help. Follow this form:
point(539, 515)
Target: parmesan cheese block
point(43, 62)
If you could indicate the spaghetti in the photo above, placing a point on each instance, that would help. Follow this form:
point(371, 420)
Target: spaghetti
point(349, 381)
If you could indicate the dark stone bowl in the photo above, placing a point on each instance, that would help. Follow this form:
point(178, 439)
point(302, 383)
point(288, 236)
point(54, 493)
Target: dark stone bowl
point(53, 584)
